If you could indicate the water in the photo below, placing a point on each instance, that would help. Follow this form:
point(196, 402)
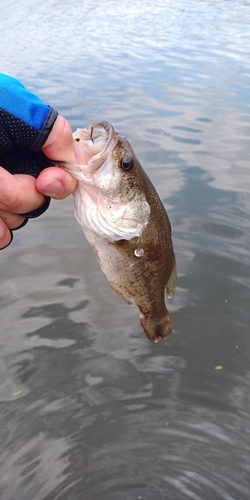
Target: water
point(90, 409)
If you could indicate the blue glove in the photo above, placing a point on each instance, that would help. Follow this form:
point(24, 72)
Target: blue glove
point(25, 124)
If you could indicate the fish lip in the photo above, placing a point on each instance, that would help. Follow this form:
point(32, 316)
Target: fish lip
point(111, 132)
point(97, 160)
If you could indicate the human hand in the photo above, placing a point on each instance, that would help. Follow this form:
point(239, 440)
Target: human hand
point(29, 125)
point(21, 194)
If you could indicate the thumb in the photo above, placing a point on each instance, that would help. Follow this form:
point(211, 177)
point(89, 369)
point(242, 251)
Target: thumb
point(60, 144)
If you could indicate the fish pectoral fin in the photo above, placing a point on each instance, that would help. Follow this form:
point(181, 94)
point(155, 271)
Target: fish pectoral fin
point(172, 281)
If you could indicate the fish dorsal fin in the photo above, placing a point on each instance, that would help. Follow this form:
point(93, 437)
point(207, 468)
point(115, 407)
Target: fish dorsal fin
point(172, 281)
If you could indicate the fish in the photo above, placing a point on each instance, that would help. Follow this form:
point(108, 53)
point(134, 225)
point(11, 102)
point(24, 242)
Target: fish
point(126, 224)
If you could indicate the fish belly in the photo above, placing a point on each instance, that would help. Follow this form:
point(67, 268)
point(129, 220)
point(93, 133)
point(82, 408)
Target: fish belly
point(138, 280)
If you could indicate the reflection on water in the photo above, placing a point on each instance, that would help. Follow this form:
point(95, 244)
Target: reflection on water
point(89, 407)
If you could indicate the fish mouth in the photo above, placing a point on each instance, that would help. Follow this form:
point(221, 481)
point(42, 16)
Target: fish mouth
point(101, 139)
point(101, 133)
point(96, 142)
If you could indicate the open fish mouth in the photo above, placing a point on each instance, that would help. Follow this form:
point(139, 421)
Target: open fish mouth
point(97, 134)
point(100, 139)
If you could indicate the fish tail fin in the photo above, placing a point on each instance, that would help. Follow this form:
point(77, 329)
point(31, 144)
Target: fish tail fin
point(156, 328)
point(172, 281)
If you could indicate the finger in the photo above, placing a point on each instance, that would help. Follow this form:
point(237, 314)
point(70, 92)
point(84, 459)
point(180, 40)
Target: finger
point(56, 183)
point(18, 193)
point(60, 144)
point(6, 235)
point(12, 221)
point(25, 220)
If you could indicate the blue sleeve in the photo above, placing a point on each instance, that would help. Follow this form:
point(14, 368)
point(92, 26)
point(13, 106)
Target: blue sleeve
point(25, 124)
point(25, 121)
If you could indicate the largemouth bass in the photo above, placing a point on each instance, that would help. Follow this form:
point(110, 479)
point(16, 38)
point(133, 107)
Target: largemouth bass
point(126, 225)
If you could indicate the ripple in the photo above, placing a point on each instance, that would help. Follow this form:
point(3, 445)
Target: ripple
point(88, 405)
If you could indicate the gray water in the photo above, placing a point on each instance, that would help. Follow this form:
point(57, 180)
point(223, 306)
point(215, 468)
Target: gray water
point(90, 409)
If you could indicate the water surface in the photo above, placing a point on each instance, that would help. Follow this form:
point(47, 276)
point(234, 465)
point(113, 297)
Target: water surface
point(90, 409)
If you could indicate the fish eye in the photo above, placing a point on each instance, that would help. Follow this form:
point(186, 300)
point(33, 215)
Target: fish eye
point(127, 163)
